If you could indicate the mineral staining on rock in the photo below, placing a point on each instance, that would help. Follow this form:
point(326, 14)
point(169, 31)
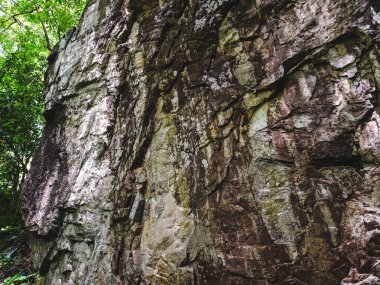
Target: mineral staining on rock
point(211, 142)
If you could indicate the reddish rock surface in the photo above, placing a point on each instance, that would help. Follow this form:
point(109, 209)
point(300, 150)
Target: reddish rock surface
point(211, 142)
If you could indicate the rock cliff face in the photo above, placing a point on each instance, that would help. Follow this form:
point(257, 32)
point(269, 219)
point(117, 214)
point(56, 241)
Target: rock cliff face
point(211, 142)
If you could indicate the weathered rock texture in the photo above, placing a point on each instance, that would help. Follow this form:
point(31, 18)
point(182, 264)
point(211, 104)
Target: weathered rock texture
point(211, 142)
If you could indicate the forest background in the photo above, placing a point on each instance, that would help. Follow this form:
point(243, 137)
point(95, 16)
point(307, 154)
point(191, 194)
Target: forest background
point(29, 30)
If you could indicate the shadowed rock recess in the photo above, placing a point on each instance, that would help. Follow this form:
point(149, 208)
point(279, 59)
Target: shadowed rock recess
point(211, 142)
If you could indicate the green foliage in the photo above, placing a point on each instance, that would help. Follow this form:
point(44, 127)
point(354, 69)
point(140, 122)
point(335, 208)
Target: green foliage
point(19, 279)
point(21, 85)
point(14, 254)
point(4, 259)
point(43, 20)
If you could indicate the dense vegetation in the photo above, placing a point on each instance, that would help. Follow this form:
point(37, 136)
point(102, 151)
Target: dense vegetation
point(28, 31)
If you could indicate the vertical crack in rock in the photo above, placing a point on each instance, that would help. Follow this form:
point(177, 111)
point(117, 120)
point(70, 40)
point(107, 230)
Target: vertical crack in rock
point(211, 142)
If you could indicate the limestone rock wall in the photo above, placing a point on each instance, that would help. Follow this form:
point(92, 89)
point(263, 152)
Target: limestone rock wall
point(211, 142)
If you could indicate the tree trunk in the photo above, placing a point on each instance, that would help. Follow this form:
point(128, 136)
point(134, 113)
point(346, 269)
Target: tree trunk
point(211, 142)
point(15, 181)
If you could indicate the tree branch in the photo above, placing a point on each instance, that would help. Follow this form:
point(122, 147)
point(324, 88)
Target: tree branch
point(46, 37)
point(48, 45)
point(14, 16)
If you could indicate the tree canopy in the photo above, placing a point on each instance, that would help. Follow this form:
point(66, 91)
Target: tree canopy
point(28, 31)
